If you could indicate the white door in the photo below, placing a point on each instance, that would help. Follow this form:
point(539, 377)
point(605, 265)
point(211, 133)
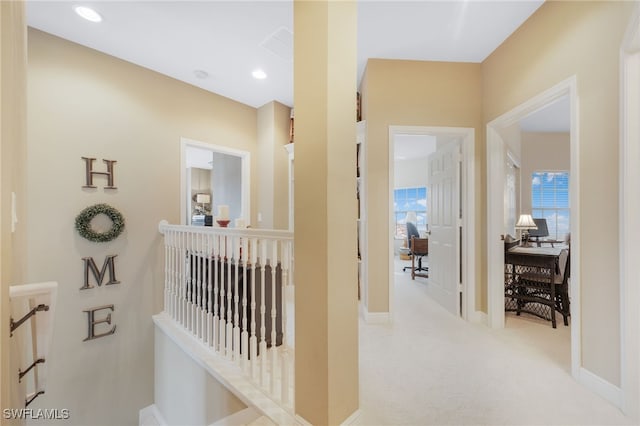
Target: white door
point(444, 225)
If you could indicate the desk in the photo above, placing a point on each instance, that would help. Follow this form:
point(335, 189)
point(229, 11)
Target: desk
point(534, 284)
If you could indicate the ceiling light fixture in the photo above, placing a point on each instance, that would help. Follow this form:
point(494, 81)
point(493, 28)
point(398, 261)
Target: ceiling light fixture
point(88, 13)
point(259, 74)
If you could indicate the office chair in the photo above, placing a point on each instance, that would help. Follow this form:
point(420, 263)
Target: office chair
point(419, 248)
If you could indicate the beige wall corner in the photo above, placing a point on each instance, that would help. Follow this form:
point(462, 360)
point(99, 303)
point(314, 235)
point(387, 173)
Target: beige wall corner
point(415, 93)
point(13, 127)
point(272, 164)
point(85, 103)
point(560, 40)
point(325, 211)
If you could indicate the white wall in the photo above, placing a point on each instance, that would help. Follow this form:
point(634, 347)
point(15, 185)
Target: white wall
point(227, 184)
point(185, 393)
point(542, 151)
point(410, 173)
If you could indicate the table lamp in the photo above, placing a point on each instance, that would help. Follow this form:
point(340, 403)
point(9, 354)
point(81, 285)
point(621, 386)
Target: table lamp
point(525, 222)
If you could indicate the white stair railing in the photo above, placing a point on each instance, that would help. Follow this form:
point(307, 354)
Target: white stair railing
point(232, 290)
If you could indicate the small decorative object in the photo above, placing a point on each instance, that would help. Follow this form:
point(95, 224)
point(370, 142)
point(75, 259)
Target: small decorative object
point(202, 199)
point(223, 216)
point(239, 223)
point(83, 223)
point(525, 222)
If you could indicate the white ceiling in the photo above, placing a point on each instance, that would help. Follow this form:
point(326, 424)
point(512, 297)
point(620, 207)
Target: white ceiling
point(555, 117)
point(229, 39)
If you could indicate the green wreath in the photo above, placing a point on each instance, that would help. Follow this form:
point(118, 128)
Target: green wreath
point(83, 223)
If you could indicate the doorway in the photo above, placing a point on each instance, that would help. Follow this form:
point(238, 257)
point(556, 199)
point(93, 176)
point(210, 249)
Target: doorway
point(629, 207)
point(464, 266)
point(497, 145)
point(212, 176)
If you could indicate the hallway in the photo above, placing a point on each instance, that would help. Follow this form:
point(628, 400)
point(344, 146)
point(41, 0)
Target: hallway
point(429, 368)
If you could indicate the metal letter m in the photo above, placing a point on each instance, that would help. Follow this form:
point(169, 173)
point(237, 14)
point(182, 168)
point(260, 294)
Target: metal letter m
point(90, 266)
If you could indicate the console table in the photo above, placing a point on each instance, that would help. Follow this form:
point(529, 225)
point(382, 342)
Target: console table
point(531, 282)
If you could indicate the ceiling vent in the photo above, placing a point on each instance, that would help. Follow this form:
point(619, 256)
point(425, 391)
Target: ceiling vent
point(280, 43)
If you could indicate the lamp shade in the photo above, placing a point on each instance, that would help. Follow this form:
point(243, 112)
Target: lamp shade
point(411, 217)
point(525, 221)
point(203, 198)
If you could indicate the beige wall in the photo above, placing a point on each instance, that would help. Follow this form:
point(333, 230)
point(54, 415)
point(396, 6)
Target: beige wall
point(83, 103)
point(326, 334)
point(13, 126)
point(542, 151)
point(413, 93)
point(273, 175)
point(560, 40)
point(281, 118)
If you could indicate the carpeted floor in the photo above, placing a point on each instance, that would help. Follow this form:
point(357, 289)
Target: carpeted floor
point(430, 368)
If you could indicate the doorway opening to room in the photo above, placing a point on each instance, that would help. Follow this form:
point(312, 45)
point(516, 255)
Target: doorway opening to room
point(540, 137)
point(213, 180)
point(431, 185)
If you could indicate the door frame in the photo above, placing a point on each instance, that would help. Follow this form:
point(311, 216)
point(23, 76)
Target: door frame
point(495, 209)
point(468, 255)
point(245, 185)
point(629, 227)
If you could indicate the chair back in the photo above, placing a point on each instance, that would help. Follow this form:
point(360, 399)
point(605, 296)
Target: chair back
point(412, 231)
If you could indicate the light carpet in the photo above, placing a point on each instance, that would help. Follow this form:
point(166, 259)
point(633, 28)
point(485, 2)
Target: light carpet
point(431, 368)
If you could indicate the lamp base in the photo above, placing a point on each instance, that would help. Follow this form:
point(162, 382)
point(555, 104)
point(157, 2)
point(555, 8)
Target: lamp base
point(223, 223)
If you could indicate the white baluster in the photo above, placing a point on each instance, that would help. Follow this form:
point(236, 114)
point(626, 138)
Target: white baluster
point(228, 243)
point(209, 291)
point(263, 310)
point(284, 367)
point(236, 300)
point(192, 284)
point(184, 280)
point(253, 340)
point(198, 273)
point(175, 275)
point(244, 336)
point(274, 313)
point(216, 294)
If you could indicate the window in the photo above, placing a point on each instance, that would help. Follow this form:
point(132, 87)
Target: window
point(410, 200)
point(550, 200)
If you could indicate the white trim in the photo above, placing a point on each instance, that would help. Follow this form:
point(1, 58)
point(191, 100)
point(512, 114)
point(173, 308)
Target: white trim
point(223, 370)
point(480, 317)
point(302, 421)
point(352, 418)
point(245, 157)
point(468, 208)
point(373, 317)
point(151, 416)
point(242, 417)
point(629, 228)
point(495, 209)
point(597, 384)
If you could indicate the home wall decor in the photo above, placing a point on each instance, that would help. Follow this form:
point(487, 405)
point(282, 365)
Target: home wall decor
point(96, 326)
point(83, 223)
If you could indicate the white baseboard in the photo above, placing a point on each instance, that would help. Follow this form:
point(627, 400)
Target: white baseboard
point(352, 418)
point(376, 317)
point(373, 317)
point(242, 417)
point(302, 421)
point(151, 416)
point(601, 387)
point(479, 317)
point(349, 420)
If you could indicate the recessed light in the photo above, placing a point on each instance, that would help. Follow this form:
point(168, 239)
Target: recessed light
point(88, 13)
point(259, 74)
point(201, 74)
